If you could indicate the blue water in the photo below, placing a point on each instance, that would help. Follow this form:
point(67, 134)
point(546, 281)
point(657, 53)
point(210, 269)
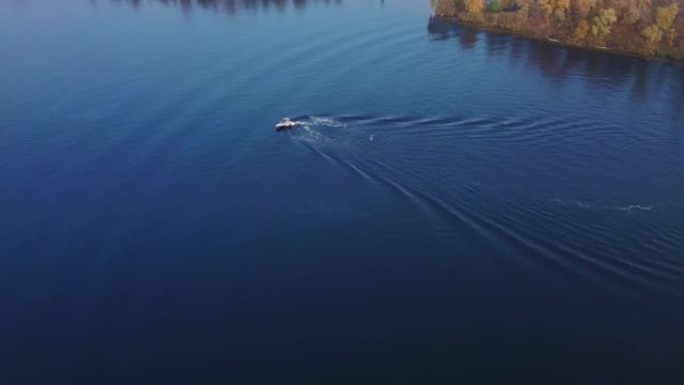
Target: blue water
point(457, 206)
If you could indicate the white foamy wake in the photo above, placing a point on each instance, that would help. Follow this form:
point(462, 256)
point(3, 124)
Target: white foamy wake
point(630, 208)
point(322, 121)
point(311, 136)
point(584, 205)
point(313, 132)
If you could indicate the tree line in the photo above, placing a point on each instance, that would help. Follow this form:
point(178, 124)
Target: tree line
point(645, 27)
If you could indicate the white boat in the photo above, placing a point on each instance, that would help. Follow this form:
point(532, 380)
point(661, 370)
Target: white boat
point(285, 124)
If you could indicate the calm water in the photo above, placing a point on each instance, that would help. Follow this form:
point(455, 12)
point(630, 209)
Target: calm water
point(457, 205)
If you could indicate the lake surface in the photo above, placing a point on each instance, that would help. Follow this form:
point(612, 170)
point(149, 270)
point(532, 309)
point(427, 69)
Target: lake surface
point(457, 206)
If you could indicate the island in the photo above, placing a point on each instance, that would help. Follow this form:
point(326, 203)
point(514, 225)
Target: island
point(648, 28)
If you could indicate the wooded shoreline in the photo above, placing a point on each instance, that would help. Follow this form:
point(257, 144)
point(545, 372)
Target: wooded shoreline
point(641, 28)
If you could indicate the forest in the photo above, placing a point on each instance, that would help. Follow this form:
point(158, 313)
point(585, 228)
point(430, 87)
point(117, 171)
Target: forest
point(652, 28)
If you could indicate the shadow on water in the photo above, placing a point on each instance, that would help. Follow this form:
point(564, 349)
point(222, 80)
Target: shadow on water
point(228, 6)
point(643, 79)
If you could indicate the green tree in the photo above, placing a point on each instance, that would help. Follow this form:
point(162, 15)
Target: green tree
point(494, 6)
point(602, 23)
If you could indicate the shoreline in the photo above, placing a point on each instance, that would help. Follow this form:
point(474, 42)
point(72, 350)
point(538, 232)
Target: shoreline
point(488, 22)
point(494, 28)
point(483, 26)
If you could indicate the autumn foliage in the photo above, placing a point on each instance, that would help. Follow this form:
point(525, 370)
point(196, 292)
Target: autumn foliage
point(646, 27)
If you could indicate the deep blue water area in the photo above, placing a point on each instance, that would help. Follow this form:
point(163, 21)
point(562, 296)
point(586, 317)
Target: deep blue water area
point(456, 206)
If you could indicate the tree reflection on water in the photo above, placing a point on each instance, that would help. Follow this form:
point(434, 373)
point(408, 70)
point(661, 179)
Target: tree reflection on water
point(643, 78)
point(228, 6)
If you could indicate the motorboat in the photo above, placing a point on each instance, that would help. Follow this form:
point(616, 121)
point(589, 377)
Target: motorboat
point(285, 124)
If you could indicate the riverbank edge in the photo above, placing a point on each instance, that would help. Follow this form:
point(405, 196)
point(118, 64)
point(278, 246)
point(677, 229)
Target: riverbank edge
point(528, 34)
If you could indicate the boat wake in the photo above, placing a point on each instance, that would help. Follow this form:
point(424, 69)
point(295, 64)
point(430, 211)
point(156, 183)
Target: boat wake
point(584, 205)
point(320, 131)
point(321, 121)
point(446, 170)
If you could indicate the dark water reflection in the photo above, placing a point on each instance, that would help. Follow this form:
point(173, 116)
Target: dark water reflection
point(228, 6)
point(559, 64)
